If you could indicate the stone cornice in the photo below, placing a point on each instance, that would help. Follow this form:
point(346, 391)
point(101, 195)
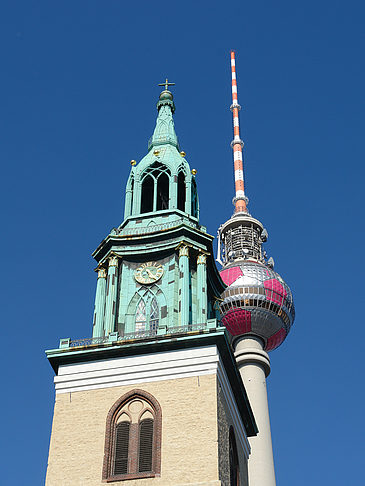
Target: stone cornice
point(219, 338)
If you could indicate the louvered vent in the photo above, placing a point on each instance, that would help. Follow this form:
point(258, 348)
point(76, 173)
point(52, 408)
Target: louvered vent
point(145, 445)
point(121, 448)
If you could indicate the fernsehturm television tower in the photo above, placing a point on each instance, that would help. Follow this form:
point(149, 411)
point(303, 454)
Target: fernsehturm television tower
point(257, 306)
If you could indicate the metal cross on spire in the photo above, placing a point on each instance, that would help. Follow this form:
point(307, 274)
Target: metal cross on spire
point(166, 84)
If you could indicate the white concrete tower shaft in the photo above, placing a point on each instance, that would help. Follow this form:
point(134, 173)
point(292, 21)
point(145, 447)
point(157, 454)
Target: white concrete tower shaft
point(254, 366)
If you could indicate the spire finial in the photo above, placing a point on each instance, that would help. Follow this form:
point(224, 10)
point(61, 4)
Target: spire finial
point(166, 84)
point(240, 200)
point(164, 131)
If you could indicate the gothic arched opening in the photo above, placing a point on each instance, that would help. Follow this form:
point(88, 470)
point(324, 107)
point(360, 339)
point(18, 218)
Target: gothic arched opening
point(147, 195)
point(133, 438)
point(181, 191)
point(163, 184)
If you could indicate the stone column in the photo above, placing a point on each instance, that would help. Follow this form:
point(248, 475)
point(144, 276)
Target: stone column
point(184, 300)
point(202, 301)
point(111, 295)
point(254, 366)
point(128, 203)
point(137, 189)
point(98, 328)
point(188, 196)
point(173, 192)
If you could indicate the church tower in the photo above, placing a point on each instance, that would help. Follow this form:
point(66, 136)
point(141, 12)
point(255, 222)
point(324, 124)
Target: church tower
point(154, 396)
point(257, 306)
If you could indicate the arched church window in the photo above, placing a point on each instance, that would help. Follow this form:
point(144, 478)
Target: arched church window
point(163, 183)
point(121, 446)
point(145, 446)
point(234, 470)
point(147, 315)
point(141, 318)
point(154, 315)
point(147, 194)
point(155, 188)
point(181, 191)
point(133, 438)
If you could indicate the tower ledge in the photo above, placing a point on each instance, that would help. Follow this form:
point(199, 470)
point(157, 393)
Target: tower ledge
point(163, 346)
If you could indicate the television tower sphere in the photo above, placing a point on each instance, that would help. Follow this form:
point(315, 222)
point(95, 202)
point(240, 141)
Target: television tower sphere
point(257, 301)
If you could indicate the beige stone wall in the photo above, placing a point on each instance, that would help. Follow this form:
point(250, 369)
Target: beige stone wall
point(189, 452)
point(224, 423)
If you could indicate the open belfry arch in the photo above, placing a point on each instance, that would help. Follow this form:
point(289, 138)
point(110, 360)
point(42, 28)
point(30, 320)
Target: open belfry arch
point(156, 396)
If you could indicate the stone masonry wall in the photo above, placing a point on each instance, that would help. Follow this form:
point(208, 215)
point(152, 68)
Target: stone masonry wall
point(189, 453)
point(224, 423)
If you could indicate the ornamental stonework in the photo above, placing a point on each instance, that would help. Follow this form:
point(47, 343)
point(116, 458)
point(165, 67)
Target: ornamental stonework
point(183, 251)
point(101, 272)
point(202, 259)
point(113, 261)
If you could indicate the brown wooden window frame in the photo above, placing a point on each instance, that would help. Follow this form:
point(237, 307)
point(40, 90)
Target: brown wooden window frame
point(108, 475)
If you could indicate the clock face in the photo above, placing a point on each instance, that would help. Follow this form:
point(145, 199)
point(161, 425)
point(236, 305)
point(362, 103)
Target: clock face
point(148, 273)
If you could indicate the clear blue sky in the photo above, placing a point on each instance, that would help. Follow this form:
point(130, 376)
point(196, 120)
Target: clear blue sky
point(77, 103)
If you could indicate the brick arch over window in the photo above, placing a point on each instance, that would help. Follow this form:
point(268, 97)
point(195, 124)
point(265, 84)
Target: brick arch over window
point(133, 438)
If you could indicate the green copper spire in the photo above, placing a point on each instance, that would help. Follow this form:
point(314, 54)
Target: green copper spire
point(165, 131)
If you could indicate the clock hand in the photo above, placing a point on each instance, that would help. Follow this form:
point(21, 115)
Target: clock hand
point(152, 275)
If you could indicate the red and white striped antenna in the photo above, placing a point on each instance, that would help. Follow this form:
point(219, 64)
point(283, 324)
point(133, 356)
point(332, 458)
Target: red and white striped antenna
point(240, 201)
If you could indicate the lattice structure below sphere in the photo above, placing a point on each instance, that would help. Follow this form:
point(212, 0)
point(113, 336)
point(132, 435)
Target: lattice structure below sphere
point(257, 301)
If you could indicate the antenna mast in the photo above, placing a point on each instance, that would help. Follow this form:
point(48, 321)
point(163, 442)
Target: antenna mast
point(240, 201)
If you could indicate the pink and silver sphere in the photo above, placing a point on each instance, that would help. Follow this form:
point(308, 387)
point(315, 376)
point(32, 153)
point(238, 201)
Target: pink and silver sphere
point(257, 301)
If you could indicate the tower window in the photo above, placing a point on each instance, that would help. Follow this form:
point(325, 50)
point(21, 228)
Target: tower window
point(163, 192)
point(147, 195)
point(154, 315)
point(121, 448)
point(145, 448)
point(133, 438)
point(155, 188)
point(141, 320)
point(147, 315)
point(181, 191)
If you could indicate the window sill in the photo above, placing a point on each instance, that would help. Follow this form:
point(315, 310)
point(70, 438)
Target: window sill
point(125, 477)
